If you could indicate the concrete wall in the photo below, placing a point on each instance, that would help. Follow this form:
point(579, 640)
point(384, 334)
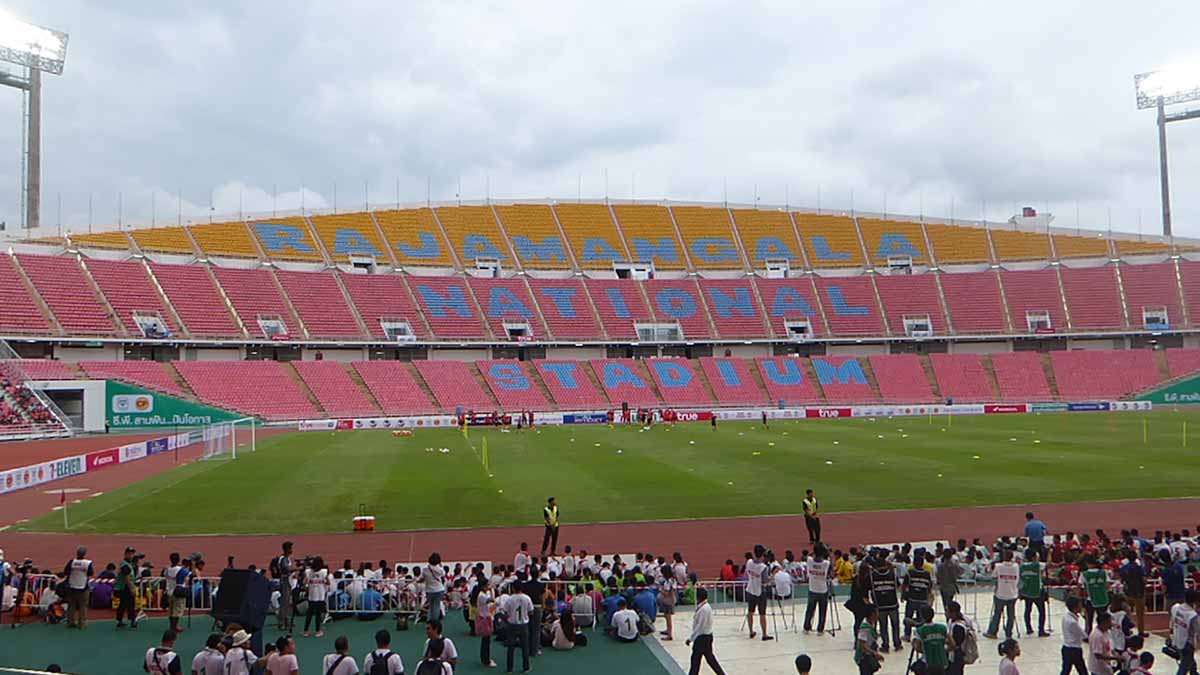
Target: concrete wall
point(856, 350)
point(980, 347)
point(71, 353)
point(743, 351)
point(576, 353)
point(215, 354)
point(342, 355)
point(457, 354)
point(1102, 344)
point(93, 399)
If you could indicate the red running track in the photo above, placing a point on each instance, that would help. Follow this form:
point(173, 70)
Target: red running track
point(23, 453)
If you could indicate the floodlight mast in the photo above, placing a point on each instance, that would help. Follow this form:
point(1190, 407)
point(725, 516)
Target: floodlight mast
point(1157, 90)
point(39, 50)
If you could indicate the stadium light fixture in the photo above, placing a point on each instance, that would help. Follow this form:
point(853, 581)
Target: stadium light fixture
point(39, 50)
point(1158, 89)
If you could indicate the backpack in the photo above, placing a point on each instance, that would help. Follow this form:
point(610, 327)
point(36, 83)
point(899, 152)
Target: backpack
point(430, 667)
point(645, 625)
point(970, 646)
point(273, 567)
point(379, 666)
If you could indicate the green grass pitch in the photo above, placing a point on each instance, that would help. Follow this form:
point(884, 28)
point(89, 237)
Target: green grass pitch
point(314, 482)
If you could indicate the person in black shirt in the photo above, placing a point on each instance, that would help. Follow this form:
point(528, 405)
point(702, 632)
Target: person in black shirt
point(918, 589)
point(958, 632)
point(885, 598)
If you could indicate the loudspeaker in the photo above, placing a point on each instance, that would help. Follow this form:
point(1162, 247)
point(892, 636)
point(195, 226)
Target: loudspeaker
point(242, 597)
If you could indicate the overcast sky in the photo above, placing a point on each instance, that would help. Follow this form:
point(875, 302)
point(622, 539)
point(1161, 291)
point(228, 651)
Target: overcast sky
point(930, 106)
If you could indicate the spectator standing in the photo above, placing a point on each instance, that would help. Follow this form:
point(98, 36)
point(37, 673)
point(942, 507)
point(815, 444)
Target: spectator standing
point(947, 574)
point(382, 660)
point(701, 639)
point(812, 515)
point(484, 625)
point(1100, 652)
point(1009, 650)
point(1074, 636)
point(1033, 592)
point(550, 517)
point(123, 589)
point(918, 590)
point(1095, 584)
point(240, 660)
point(960, 628)
point(933, 642)
point(340, 662)
point(281, 570)
point(434, 578)
point(211, 660)
point(317, 585)
point(1185, 631)
point(283, 660)
point(1035, 532)
point(756, 595)
point(177, 595)
point(77, 573)
point(518, 609)
point(163, 660)
point(1008, 576)
point(885, 599)
point(820, 571)
point(1172, 574)
point(1133, 578)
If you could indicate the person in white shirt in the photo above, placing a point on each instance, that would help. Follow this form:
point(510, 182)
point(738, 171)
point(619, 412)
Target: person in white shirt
point(163, 660)
point(624, 623)
point(680, 569)
point(819, 574)
point(1008, 576)
point(433, 631)
point(756, 596)
point(522, 559)
point(340, 662)
point(1073, 636)
point(383, 654)
point(701, 639)
point(210, 660)
point(1009, 650)
point(433, 663)
point(78, 571)
point(570, 565)
point(283, 660)
point(484, 624)
point(434, 578)
point(1100, 652)
point(783, 583)
point(517, 609)
point(1185, 630)
point(317, 584)
point(239, 660)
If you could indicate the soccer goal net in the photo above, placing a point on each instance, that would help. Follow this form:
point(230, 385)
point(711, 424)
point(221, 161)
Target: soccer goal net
point(224, 440)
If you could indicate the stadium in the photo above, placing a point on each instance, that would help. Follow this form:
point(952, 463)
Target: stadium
point(388, 382)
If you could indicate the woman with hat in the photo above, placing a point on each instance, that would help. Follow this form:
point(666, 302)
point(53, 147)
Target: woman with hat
point(240, 660)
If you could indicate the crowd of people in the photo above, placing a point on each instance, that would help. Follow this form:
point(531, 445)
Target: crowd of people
point(19, 406)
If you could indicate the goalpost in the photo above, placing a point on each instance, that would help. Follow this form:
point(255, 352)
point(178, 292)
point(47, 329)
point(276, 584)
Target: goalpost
point(223, 440)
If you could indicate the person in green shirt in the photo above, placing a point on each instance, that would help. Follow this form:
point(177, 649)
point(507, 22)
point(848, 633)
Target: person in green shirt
point(1095, 584)
point(123, 588)
point(933, 643)
point(866, 646)
point(1033, 591)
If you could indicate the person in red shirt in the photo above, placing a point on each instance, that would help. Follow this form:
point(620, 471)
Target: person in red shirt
point(728, 571)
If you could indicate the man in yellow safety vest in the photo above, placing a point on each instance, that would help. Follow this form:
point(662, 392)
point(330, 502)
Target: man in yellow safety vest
point(550, 516)
point(812, 516)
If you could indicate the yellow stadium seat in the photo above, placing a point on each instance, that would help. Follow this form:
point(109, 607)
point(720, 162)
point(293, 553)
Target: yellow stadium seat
point(286, 239)
point(1072, 246)
point(224, 239)
point(414, 237)
point(534, 235)
point(1141, 247)
point(113, 239)
point(767, 235)
point(592, 235)
point(958, 243)
point(830, 241)
point(473, 232)
point(893, 239)
point(163, 239)
point(650, 235)
point(1012, 244)
point(708, 236)
point(347, 234)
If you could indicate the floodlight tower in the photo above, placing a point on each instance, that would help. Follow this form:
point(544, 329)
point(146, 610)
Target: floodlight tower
point(1158, 89)
point(39, 50)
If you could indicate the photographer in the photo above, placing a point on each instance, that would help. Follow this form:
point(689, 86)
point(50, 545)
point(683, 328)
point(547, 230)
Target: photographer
point(281, 571)
point(918, 590)
point(123, 588)
point(77, 573)
point(1004, 601)
point(933, 642)
point(885, 598)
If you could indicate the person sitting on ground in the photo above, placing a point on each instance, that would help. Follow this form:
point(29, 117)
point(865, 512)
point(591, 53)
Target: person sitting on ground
point(563, 633)
point(624, 623)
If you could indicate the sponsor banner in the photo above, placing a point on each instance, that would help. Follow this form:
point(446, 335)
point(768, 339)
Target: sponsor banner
point(828, 413)
point(102, 459)
point(998, 408)
point(1047, 407)
point(132, 452)
point(1184, 392)
point(319, 425)
point(345, 425)
point(157, 445)
point(40, 474)
point(694, 415)
point(129, 406)
point(1132, 405)
point(552, 419)
point(586, 418)
point(1089, 406)
point(422, 421)
point(67, 467)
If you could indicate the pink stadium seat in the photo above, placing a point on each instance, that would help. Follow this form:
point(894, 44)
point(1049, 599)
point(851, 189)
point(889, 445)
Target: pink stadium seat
point(1033, 291)
point(843, 379)
point(1021, 377)
point(454, 383)
point(850, 305)
point(18, 311)
point(624, 381)
point(910, 295)
point(679, 300)
point(393, 384)
point(1182, 362)
point(149, 374)
point(570, 384)
point(620, 304)
point(962, 377)
point(789, 300)
point(679, 382)
point(901, 378)
point(320, 303)
point(786, 380)
point(262, 388)
point(197, 301)
point(974, 301)
point(1093, 297)
point(129, 289)
point(40, 369)
point(254, 294)
point(382, 296)
point(1189, 275)
point(1151, 286)
point(507, 301)
point(513, 385)
point(61, 283)
point(734, 307)
point(564, 305)
point(1083, 375)
point(337, 393)
point(732, 382)
point(447, 306)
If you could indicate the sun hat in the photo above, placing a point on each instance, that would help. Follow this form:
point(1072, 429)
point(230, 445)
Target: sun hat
point(240, 638)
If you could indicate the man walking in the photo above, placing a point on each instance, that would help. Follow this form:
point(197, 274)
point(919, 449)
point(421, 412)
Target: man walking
point(812, 516)
point(550, 517)
point(77, 572)
point(701, 640)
